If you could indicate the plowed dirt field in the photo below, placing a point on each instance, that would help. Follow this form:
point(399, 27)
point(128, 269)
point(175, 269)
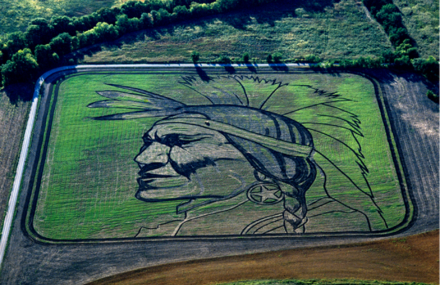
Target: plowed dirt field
point(405, 259)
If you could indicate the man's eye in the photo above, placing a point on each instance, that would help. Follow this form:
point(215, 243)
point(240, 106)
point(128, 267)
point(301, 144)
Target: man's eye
point(147, 140)
point(171, 140)
point(181, 140)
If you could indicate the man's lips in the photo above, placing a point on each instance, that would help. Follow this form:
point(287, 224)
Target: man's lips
point(155, 181)
point(148, 178)
point(149, 167)
point(156, 176)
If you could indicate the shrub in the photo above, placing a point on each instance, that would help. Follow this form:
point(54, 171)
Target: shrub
point(108, 15)
point(312, 58)
point(16, 41)
point(61, 44)
point(245, 57)
point(398, 36)
point(403, 62)
point(106, 32)
point(46, 57)
point(38, 34)
point(389, 56)
point(136, 8)
point(181, 12)
point(277, 57)
point(200, 9)
point(433, 96)
point(269, 58)
point(62, 24)
point(195, 56)
point(21, 68)
point(88, 38)
point(224, 59)
point(428, 67)
point(126, 25)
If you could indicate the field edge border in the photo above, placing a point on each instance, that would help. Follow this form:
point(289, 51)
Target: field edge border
point(410, 208)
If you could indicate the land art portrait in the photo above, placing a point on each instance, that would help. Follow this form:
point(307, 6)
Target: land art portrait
point(183, 155)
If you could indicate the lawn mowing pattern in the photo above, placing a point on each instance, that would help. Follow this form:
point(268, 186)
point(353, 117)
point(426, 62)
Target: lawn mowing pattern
point(103, 206)
point(29, 261)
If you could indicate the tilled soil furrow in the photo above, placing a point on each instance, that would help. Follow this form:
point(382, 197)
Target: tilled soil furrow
point(419, 151)
point(11, 122)
point(427, 155)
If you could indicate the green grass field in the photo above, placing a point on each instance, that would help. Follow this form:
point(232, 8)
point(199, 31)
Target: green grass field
point(15, 15)
point(342, 30)
point(89, 176)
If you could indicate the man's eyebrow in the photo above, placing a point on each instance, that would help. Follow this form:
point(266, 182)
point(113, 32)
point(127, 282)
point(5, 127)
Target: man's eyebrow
point(196, 136)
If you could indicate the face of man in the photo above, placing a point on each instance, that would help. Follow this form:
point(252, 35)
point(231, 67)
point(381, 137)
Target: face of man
point(181, 161)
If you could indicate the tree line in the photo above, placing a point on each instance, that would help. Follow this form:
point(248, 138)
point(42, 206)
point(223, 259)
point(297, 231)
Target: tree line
point(405, 54)
point(23, 56)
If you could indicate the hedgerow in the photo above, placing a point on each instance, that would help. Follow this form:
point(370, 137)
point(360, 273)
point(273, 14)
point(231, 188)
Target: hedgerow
point(405, 54)
point(46, 41)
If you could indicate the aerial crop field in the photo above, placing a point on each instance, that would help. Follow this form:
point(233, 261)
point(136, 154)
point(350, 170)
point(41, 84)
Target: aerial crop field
point(151, 154)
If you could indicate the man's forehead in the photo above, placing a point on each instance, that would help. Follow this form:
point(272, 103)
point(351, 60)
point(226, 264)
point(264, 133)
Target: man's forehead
point(163, 129)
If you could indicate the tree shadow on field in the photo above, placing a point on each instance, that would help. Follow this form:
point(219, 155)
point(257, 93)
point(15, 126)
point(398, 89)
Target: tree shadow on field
point(18, 92)
point(229, 69)
point(251, 68)
point(202, 74)
point(331, 71)
point(79, 55)
point(280, 67)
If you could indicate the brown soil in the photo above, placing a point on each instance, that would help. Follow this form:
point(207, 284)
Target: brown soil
point(13, 113)
point(414, 258)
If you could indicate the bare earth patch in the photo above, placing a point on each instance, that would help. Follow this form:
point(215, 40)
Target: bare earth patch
point(405, 259)
point(12, 121)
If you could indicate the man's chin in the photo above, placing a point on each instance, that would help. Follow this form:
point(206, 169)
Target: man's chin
point(159, 195)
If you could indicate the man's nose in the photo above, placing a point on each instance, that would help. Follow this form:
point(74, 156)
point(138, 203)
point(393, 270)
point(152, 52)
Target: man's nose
point(154, 153)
